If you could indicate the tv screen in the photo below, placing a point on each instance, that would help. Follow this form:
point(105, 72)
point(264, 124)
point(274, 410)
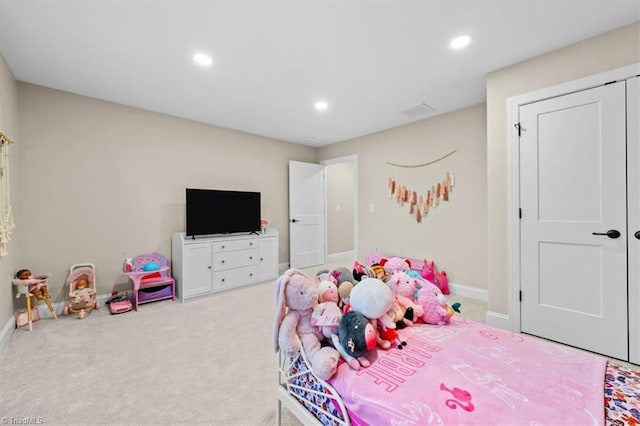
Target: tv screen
point(212, 211)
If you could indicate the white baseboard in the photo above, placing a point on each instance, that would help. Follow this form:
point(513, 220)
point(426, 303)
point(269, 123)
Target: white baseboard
point(337, 257)
point(10, 326)
point(283, 267)
point(498, 320)
point(470, 292)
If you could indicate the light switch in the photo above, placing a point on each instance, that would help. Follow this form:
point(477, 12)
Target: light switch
point(371, 208)
point(338, 208)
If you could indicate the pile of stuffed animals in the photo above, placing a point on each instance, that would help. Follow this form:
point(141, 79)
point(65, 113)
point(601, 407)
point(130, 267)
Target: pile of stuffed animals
point(346, 313)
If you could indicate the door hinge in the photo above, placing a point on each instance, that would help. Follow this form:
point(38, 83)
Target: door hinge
point(520, 213)
point(520, 295)
point(519, 127)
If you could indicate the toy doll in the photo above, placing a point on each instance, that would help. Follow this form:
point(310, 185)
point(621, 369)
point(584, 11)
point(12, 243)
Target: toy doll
point(82, 295)
point(326, 315)
point(37, 284)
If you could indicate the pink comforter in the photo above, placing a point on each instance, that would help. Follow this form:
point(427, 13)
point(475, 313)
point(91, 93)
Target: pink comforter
point(469, 373)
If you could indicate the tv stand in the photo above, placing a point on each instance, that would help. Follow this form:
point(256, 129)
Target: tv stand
point(211, 264)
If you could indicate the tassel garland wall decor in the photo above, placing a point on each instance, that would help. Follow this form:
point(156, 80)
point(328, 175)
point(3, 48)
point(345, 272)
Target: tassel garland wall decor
point(402, 186)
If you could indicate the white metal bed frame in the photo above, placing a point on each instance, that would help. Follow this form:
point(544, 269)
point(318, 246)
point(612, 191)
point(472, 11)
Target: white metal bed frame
point(294, 402)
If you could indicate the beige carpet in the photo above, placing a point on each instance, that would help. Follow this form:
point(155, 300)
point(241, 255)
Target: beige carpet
point(208, 361)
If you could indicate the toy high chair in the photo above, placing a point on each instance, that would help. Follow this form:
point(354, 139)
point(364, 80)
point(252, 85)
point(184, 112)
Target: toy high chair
point(34, 287)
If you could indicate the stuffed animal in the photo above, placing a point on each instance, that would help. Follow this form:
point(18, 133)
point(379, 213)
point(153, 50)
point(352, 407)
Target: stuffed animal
point(404, 288)
point(394, 264)
point(356, 336)
point(434, 303)
point(326, 315)
point(373, 299)
point(361, 272)
point(296, 296)
point(342, 274)
point(431, 274)
point(428, 271)
point(442, 281)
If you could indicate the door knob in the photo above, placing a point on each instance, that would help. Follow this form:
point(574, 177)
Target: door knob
point(611, 233)
point(637, 235)
point(294, 220)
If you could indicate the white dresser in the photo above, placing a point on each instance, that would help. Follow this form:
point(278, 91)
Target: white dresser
point(206, 265)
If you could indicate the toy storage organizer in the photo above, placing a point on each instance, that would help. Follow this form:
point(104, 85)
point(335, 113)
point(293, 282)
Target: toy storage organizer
point(151, 286)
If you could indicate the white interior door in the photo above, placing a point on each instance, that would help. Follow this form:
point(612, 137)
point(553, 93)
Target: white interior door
point(633, 198)
point(572, 185)
point(306, 214)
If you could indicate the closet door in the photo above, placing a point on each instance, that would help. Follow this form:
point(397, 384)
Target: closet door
point(573, 229)
point(633, 198)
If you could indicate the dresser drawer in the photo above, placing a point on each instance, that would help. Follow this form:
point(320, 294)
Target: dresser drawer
point(231, 245)
point(235, 277)
point(235, 259)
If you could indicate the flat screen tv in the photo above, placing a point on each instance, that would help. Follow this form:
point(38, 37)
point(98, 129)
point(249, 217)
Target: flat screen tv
point(213, 211)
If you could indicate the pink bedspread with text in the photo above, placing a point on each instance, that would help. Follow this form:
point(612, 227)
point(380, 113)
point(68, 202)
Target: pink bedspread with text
point(468, 373)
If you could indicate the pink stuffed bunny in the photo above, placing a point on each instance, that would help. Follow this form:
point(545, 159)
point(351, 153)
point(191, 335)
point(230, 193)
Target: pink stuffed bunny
point(296, 297)
point(434, 303)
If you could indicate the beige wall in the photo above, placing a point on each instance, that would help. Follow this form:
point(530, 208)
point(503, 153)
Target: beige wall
point(607, 51)
point(98, 179)
point(9, 125)
point(340, 200)
point(454, 234)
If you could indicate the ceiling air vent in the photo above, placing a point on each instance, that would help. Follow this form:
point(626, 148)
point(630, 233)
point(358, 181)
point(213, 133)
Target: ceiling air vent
point(419, 109)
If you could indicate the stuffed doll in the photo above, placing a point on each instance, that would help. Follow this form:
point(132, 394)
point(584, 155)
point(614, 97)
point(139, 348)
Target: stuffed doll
point(344, 291)
point(325, 275)
point(326, 315)
point(434, 303)
point(404, 288)
point(373, 299)
point(356, 336)
point(296, 296)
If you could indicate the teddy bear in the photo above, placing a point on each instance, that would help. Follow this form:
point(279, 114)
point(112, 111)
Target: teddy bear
point(296, 297)
point(434, 303)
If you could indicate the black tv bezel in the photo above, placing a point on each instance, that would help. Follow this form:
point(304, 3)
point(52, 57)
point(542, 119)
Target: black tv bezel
point(216, 227)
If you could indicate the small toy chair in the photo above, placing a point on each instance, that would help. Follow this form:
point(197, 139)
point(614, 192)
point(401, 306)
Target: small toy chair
point(151, 276)
point(27, 288)
point(82, 289)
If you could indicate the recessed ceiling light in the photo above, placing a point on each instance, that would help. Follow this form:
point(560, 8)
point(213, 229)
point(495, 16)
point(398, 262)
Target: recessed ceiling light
point(460, 42)
point(202, 59)
point(321, 105)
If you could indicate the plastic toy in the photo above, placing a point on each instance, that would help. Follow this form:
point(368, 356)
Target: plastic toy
point(119, 304)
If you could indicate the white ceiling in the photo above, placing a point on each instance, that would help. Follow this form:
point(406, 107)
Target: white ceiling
point(370, 60)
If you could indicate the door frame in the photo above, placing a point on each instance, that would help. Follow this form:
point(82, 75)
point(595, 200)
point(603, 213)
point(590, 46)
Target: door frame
point(513, 177)
point(339, 160)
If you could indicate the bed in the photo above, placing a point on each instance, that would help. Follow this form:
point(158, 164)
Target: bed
point(465, 373)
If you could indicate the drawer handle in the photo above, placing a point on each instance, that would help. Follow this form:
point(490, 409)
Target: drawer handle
point(222, 261)
point(222, 280)
point(251, 274)
point(209, 267)
point(261, 259)
point(250, 257)
point(222, 246)
point(250, 244)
